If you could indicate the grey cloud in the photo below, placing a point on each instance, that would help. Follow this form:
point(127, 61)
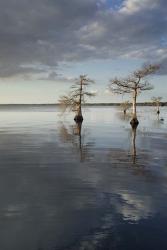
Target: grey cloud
point(135, 34)
point(53, 76)
point(41, 34)
point(122, 33)
point(163, 66)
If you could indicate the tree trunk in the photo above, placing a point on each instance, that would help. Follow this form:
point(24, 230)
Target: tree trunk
point(158, 111)
point(134, 105)
point(79, 117)
point(134, 122)
point(79, 110)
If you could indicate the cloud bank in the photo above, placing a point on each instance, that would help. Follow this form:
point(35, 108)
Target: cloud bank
point(38, 35)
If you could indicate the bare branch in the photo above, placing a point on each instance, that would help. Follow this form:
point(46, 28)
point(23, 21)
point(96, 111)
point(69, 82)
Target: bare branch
point(76, 96)
point(156, 100)
point(146, 70)
point(134, 82)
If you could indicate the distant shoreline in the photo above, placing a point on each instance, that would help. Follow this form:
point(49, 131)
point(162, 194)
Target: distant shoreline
point(87, 104)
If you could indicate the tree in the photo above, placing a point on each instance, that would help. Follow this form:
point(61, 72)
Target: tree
point(157, 102)
point(125, 106)
point(76, 97)
point(134, 84)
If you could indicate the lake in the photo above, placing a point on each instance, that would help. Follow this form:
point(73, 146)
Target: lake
point(99, 186)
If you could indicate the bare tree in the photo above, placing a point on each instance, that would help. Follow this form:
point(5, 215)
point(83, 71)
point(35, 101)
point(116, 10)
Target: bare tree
point(125, 106)
point(76, 97)
point(134, 84)
point(157, 101)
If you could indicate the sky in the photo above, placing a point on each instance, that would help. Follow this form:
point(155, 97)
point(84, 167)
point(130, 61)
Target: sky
point(46, 44)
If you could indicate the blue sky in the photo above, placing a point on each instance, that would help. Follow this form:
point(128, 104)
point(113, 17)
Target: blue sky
point(46, 44)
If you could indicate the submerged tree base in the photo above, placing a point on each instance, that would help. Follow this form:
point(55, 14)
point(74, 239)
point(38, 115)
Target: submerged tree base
point(78, 118)
point(134, 122)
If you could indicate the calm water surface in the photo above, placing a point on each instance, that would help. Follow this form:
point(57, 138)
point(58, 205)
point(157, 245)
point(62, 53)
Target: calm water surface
point(66, 187)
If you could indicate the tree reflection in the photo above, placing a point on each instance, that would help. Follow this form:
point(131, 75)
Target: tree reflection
point(125, 156)
point(123, 116)
point(133, 150)
point(158, 122)
point(73, 134)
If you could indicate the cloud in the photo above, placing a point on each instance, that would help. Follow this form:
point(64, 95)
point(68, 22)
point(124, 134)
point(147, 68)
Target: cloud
point(43, 34)
point(39, 32)
point(53, 76)
point(107, 91)
point(94, 91)
point(136, 30)
point(132, 6)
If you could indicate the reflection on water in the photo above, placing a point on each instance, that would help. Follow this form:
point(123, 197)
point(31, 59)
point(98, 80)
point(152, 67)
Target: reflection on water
point(159, 121)
point(99, 185)
point(73, 135)
point(124, 116)
point(134, 144)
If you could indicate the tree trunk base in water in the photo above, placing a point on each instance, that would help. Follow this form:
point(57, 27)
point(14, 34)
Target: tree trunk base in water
point(78, 118)
point(158, 112)
point(134, 122)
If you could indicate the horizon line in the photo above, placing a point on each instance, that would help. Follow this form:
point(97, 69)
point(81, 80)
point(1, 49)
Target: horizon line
point(96, 103)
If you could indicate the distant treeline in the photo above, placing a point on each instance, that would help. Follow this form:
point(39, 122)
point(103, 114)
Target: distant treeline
point(86, 104)
point(118, 104)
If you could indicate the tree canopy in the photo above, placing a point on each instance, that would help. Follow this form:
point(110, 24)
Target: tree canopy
point(135, 82)
point(77, 94)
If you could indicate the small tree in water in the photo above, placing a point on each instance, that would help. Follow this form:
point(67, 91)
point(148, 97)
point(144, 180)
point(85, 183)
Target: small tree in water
point(125, 106)
point(76, 97)
point(157, 101)
point(134, 84)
